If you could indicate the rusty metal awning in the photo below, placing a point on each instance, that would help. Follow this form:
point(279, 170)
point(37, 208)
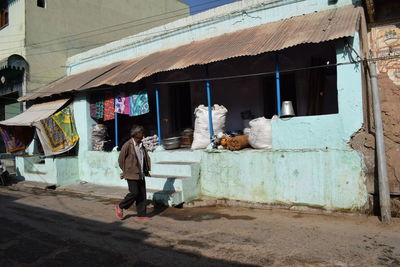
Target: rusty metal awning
point(311, 28)
point(35, 113)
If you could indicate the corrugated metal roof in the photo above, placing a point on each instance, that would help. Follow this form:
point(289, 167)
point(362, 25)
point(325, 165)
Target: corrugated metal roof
point(311, 28)
point(70, 83)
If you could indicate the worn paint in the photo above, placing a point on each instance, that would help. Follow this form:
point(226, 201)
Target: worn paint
point(60, 171)
point(331, 179)
point(327, 131)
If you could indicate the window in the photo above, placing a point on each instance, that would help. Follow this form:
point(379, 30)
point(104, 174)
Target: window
point(41, 3)
point(3, 15)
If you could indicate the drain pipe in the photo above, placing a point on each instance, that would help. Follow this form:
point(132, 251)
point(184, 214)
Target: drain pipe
point(384, 195)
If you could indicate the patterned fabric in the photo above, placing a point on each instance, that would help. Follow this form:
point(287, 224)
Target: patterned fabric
point(65, 120)
point(120, 103)
point(58, 133)
point(127, 103)
point(97, 106)
point(139, 104)
point(16, 138)
point(109, 108)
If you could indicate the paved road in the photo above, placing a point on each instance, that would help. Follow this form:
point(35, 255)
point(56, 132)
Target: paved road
point(46, 228)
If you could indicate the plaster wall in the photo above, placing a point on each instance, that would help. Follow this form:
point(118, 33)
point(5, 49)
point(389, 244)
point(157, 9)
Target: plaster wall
point(326, 178)
point(329, 179)
point(12, 37)
point(327, 131)
point(65, 28)
point(59, 171)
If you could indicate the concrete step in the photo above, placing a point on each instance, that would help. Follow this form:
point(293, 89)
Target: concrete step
point(172, 169)
point(39, 168)
point(177, 162)
point(177, 155)
point(169, 198)
point(174, 181)
point(164, 183)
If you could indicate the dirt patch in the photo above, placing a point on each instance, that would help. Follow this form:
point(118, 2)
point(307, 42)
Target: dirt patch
point(200, 214)
point(193, 243)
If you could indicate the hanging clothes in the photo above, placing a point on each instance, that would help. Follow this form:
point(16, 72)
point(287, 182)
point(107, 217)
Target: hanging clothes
point(120, 104)
point(16, 138)
point(57, 133)
point(139, 104)
point(109, 107)
point(97, 106)
point(127, 103)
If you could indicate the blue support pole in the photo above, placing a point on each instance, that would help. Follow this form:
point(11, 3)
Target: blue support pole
point(116, 128)
point(278, 85)
point(158, 117)
point(210, 122)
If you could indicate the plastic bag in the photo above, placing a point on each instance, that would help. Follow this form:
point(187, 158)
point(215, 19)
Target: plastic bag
point(260, 135)
point(201, 135)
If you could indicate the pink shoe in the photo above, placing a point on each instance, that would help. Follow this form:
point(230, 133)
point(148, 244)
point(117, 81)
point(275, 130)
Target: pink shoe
point(142, 219)
point(119, 212)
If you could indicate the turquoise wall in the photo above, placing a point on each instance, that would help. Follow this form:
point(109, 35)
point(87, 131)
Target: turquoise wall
point(310, 162)
point(60, 170)
point(330, 179)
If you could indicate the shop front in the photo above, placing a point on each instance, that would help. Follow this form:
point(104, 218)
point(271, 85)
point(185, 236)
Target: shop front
point(250, 73)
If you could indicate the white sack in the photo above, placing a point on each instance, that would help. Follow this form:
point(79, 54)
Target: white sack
point(201, 135)
point(260, 133)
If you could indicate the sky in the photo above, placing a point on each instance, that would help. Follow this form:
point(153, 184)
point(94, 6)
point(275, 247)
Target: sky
point(197, 6)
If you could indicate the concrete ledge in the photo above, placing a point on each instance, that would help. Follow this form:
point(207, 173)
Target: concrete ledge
point(30, 184)
point(114, 192)
point(214, 202)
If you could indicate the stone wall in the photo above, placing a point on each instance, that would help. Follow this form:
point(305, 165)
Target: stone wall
point(384, 41)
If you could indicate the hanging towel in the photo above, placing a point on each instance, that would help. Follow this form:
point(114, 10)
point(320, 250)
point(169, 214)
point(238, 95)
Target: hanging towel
point(109, 108)
point(127, 103)
point(120, 103)
point(139, 104)
point(57, 133)
point(16, 138)
point(97, 106)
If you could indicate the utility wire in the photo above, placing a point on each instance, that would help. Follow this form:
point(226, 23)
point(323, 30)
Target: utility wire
point(281, 71)
point(239, 76)
point(106, 42)
point(121, 24)
point(98, 44)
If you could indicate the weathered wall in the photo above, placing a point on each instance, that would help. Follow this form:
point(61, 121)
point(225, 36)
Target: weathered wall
point(60, 171)
point(12, 37)
point(385, 41)
point(329, 179)
point(65, 28)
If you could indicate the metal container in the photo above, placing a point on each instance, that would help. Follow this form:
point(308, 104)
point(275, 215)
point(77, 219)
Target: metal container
point(172, 143)
point(287, 109)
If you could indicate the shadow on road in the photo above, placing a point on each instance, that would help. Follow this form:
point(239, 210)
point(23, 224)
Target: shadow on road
point(41, 237)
